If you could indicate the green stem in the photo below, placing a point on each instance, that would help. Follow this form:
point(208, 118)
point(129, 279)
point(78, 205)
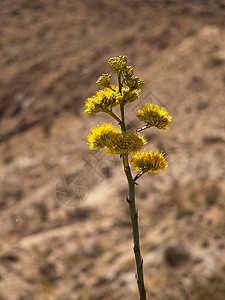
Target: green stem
point(123, 126)
point(120, 83)
point(133, 211)
point(114, 116)
point(134, 220)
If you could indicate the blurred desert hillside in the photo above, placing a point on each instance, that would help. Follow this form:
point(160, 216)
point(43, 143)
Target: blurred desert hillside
point(64, 228)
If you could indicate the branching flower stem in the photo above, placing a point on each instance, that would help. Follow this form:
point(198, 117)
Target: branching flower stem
point(111, 113)
point(123, 142)
point(138, 176)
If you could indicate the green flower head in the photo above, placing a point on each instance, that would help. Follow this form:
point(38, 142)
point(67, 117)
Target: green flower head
point(104, 80)
point(149, 161)
point(130, 80)
point(128, 72)
point(154, 116)
point(118, 63)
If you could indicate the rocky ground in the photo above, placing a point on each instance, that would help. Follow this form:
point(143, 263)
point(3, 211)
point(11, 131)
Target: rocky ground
point(64, 227)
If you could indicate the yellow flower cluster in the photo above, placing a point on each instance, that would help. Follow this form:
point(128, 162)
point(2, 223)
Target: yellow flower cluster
point(113, 140)
point(149, 161)
point(154, 116)
point(124, 143)
point(100, 135)
point(103, 100)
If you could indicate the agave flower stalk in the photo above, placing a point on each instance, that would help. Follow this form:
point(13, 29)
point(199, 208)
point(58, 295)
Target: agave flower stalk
point(117, 140)
point(133, 213)
point(134, 221)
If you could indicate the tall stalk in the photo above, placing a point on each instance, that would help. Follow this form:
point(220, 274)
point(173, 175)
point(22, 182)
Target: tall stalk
point(133, 211)
point(134, 220)
point(123, 142)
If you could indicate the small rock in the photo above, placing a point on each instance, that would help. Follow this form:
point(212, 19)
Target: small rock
point(176, 255)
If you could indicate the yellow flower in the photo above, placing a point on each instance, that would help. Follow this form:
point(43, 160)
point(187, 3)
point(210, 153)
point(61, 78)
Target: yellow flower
point(124, 143)
point(149, 161)
point(154, 116)
point(100, 134)
point(103, 100)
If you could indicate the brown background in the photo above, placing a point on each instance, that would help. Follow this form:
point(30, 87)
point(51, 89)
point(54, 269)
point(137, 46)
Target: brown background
point(64, 227)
